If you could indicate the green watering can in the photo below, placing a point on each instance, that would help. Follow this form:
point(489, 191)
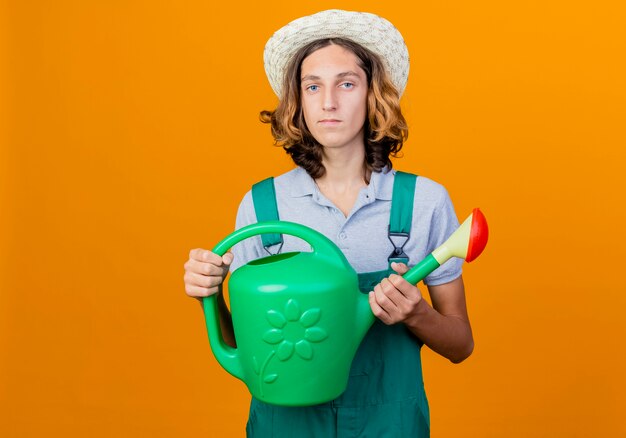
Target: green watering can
point(299, 317)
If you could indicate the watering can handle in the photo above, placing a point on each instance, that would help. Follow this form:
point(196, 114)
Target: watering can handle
point(320, 243)
point(322, 246)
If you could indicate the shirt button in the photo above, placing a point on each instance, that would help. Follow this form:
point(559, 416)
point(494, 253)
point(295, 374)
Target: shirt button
point(342, 235)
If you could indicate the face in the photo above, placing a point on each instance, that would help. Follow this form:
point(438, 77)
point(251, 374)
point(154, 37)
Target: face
point(334, 97)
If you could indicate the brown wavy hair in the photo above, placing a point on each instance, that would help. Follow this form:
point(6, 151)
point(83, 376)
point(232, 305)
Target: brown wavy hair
point(385, 127)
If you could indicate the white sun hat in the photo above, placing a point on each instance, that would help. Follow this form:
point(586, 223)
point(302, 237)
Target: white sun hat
point(369, 30)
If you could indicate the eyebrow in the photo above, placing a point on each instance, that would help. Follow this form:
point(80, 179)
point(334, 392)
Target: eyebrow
point(339, 75)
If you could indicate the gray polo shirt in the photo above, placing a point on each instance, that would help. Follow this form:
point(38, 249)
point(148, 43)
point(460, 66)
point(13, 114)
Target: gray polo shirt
point(362, 236)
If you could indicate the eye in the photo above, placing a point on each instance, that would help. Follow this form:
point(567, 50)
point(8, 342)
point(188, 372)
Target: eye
point(312, 87)
point(347, 85)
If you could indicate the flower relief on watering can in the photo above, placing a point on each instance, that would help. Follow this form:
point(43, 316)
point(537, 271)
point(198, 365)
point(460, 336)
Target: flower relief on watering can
point(291, 331)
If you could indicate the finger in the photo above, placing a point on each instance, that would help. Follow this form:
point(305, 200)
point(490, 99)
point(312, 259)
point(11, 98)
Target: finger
point(206, 281)
point(378, 311)
point(198, 292)
point(204, 255)
point(197, 254)
point(227, 258)
point(404, 304)
point(205, 268)
point(391, 292)
point(400, 268)
point(383, 299)
point(410, 293)
point(404, 287)
point(405, 301)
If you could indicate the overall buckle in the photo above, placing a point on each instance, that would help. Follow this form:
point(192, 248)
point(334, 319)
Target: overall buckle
point(280, 248)
point(398, 244)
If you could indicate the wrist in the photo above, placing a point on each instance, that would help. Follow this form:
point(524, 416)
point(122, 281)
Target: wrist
point(418, 315)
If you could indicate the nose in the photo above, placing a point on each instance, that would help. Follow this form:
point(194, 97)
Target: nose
point(330, 100)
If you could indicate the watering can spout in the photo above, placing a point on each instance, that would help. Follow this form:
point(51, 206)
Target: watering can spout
point(467, 243)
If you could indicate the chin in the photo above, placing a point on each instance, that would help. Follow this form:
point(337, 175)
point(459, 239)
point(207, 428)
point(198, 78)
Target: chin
point(331, 142)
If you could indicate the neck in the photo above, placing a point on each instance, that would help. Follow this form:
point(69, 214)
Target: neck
point(345, 169)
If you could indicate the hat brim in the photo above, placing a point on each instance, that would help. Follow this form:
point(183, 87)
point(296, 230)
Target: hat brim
point(371, 31)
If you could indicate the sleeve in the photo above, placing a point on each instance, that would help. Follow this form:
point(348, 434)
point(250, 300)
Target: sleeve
point(251, 248)
point(443, 223)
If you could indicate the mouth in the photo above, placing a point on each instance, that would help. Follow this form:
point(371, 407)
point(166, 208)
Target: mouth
point(329, 122)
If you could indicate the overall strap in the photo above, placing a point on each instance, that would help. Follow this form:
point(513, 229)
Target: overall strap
point(401, 215)
point(266, 209)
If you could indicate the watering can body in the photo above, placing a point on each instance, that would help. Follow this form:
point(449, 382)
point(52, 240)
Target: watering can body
point(298, 320)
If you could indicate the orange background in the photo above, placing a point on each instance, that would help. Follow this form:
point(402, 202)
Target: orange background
point(130, 133)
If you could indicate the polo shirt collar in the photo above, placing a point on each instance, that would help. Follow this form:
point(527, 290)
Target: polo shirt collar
point(302, 184)
point(380, 186)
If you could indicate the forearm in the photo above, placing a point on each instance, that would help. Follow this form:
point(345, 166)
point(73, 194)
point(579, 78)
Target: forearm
point(448, 335)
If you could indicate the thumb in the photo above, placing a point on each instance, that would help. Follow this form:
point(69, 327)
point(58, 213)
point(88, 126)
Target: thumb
point(400, 268)
point(227, 259)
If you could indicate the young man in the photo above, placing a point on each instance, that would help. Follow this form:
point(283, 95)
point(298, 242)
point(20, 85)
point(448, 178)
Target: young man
point(339, 76)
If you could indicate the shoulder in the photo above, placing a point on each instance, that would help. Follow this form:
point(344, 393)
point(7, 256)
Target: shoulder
point(296, 183)
point(281, 183)
point(428, 193)
point(432, 202)
point(293, 178)
point(245, 213)
point(289, 176)
point(293, 181)
point(287, 183)
point(431, 192)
